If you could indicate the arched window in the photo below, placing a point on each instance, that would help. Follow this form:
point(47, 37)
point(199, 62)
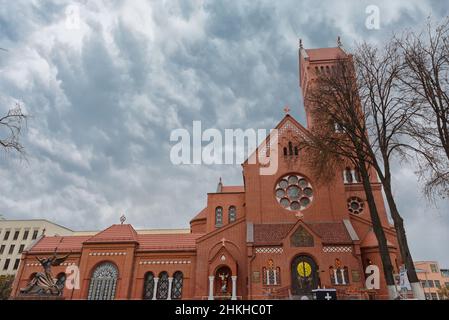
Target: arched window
point(358, 179)
point(219, 217)
point(232, 214)
point(339, 274)
point(271, 274)
point(348, 175)
point(162, 286)
point(296, 151)
point(148, 286)
point(290, 148)
point(176, 291)
point(103, 282)
point(285, 151)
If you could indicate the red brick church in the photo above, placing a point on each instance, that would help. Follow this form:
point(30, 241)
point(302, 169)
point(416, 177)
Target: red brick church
point(249, 242)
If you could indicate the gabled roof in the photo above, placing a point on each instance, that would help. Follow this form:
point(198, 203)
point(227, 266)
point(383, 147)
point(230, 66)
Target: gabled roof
point(172, 242)
point(200, 216)
point(147, 242)
point(287, 121)
point(329, 233)
point(59, 244)
point(117, 233)
point(370, 241)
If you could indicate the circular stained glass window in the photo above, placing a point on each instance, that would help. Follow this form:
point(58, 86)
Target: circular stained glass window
point(355, 205)
point(294, 192)
point(280, 193)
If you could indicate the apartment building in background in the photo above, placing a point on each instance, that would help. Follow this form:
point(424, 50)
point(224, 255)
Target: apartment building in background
point(432, 278)
point(17, 235)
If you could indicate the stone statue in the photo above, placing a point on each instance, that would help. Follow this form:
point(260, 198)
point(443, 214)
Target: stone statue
point(224, 282)
point(43, 283)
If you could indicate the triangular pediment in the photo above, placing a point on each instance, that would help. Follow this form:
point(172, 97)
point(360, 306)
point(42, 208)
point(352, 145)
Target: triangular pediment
point(286, 128)
point(302, 236)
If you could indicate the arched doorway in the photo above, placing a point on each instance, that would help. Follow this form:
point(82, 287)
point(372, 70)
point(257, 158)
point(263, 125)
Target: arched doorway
point(304, 275)
point(223, 283)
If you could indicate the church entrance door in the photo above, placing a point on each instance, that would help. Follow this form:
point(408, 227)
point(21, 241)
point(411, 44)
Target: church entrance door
point(304, 276)
point(223, 283)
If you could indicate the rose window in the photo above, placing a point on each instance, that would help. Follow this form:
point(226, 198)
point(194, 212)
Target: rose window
point(355, 205)
point(294, 192)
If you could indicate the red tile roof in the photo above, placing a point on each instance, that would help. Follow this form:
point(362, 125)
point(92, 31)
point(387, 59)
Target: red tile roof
point(325, 53)
point(370, 241)
point(115, 233)
point(329, 232)
point(200, 216)
point(149, 242)
point(61, 244)
point(271, 233)
point(118, 234)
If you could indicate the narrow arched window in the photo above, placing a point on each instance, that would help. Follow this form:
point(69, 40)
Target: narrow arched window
point(232, 214)
point(162, 286)
point(148, 286)
point(358, 179)
point(348, 175)
point(285, 151)
point(296, 151)
point(176, 291)
point(346, 274)
point(290, 148)
point(103, 282)
point(219, 217)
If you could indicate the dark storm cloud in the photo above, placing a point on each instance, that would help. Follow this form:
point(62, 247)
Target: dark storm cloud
point(104, 99)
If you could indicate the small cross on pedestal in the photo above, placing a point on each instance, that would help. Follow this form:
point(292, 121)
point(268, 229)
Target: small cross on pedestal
point(287, 110)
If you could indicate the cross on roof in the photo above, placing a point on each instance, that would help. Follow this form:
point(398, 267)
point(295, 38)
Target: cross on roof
point(287, 109)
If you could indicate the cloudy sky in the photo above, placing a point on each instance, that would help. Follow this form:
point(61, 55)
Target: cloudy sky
point(105, 90)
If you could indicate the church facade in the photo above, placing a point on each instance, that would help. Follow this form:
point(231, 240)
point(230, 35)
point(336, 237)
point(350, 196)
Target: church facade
point(276, 236)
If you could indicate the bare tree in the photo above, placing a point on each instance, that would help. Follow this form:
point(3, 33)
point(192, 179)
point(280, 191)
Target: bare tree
point(11, 127)
point(388, 110)
point(426, 59)
point(338, 135)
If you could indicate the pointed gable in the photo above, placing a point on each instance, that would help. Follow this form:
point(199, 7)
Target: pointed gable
point(117, 233)
point(370, 241)
point(301, 238)
point(287, 125)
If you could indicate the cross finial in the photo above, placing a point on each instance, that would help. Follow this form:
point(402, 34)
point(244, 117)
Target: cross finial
point(122, 219)
point(339, 41)
point(300, 44)
point(300, 215)
point(287, 110)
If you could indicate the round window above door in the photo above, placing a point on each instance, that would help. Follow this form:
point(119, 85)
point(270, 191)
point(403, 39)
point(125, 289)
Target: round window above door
point(294, 192)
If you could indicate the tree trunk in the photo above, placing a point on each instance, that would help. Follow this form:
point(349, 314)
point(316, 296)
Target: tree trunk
point(418, 292)
point(379, 232)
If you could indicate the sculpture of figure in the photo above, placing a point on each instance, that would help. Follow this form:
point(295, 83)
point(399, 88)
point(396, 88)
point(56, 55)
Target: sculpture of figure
point(43, 283)
point(224, 282)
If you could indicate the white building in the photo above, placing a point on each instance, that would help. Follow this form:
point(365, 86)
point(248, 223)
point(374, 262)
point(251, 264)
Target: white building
point(17, 235)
